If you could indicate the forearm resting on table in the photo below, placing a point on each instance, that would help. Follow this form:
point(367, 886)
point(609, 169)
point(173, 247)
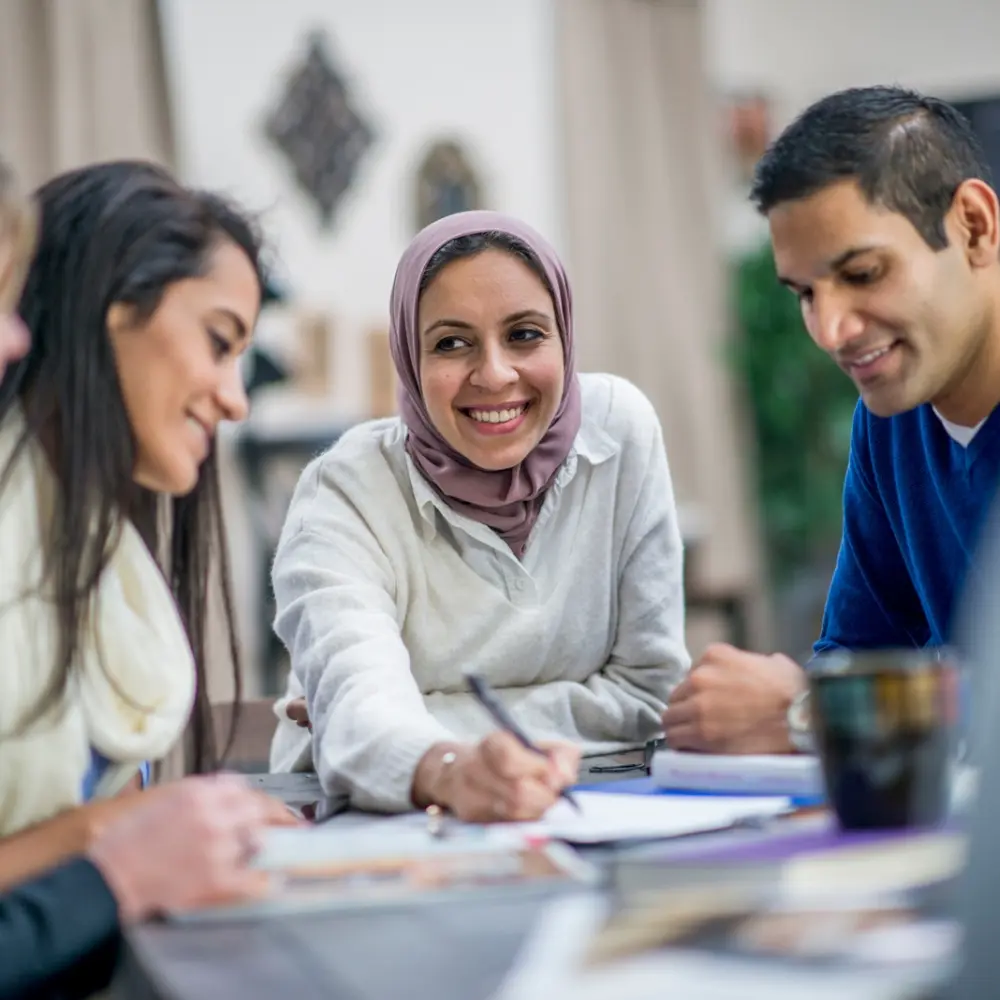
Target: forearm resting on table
point(44, 845)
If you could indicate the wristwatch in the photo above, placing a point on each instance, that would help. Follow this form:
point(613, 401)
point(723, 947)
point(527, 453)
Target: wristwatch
point(800, 723)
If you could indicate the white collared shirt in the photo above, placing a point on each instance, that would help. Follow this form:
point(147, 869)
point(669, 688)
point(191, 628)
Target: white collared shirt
point(386, 596)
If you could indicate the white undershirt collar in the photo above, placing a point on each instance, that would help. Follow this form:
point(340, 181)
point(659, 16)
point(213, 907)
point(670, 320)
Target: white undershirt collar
point(963, 435)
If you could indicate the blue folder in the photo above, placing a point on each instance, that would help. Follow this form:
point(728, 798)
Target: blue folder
point(645, 786)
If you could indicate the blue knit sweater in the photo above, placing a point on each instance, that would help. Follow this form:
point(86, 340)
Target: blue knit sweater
point(914, 502)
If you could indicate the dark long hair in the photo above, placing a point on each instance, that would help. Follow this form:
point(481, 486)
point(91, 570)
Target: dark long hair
point(118, 232)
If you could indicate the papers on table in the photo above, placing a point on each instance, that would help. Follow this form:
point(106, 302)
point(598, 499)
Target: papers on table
point(609, 816)
point(864, 921)
point(605, 817)
point(320, 868)
point(895, 865)
point(554, 966)
point(756, 774)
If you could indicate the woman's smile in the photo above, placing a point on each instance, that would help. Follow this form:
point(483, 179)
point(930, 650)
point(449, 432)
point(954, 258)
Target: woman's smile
point(500, 418)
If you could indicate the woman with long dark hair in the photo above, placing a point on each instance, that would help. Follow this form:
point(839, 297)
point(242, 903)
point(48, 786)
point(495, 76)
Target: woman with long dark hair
point(141, 296)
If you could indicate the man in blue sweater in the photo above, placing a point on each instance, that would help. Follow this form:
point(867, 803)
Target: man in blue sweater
point(885, 226)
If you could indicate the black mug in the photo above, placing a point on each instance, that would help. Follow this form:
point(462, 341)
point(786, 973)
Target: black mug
point(884, 723)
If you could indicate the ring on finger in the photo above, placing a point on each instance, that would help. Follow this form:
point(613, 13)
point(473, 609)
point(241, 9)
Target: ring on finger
point(248, 846)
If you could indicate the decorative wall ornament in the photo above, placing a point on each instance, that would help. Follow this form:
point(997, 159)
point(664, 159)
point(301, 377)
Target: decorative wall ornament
point(317, 129)
point(446, 183)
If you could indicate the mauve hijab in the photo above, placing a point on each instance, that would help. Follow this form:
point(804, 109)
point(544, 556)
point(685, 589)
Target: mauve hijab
point(507, 500)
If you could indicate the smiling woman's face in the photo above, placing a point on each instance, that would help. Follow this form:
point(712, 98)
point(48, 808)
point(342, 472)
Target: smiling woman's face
point(491, 358)
point(179, 370)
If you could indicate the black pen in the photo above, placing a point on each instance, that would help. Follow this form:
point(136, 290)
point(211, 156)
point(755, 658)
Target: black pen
point(484, 695)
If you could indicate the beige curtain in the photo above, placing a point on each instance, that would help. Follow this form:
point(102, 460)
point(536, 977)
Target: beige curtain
point(648, 274)
point(81, 80)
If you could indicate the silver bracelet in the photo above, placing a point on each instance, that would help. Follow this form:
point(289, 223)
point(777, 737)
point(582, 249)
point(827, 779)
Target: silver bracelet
point(435, 813)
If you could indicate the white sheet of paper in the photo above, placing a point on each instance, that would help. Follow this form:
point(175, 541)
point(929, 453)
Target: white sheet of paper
point(608, 816)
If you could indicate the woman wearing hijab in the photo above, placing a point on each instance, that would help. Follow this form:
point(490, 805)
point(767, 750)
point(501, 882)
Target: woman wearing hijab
point(517, 521)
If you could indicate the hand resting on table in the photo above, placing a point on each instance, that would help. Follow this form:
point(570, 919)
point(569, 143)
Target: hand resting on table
point(733, 702)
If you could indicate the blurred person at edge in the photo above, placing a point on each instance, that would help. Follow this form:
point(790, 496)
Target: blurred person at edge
point(74, 874)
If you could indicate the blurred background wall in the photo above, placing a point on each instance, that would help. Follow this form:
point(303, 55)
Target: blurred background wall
point(796, 52)
point(416, 73)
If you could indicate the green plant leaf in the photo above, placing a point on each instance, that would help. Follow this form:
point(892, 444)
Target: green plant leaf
point(802, 407)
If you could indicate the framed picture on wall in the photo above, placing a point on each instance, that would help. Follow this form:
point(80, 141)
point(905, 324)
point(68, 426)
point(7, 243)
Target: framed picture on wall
point(446, 182)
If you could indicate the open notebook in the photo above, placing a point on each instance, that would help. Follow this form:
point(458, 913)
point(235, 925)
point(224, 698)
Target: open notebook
point(606, 816)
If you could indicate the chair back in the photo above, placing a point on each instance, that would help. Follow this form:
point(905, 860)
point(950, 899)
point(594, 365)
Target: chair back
point(251, 746)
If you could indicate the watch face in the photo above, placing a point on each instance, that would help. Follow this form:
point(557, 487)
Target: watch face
point(798, 714)
point(800, 724)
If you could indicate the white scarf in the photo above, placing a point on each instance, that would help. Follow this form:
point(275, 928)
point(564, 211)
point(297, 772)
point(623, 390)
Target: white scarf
point(132, 682)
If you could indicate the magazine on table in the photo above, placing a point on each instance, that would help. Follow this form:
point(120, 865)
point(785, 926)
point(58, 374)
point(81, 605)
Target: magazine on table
point(321, 868)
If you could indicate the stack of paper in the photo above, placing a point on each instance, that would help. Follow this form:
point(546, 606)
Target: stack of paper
point(754, 774)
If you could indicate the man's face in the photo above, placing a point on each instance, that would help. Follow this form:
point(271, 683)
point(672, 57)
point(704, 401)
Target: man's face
point(905, 321)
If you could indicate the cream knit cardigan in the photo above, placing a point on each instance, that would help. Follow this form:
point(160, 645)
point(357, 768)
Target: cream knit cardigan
point(132, 683)
point(386, 597)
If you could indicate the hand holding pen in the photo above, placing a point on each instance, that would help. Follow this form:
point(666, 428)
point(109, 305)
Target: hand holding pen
point(497, 779)
point(497, 710)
